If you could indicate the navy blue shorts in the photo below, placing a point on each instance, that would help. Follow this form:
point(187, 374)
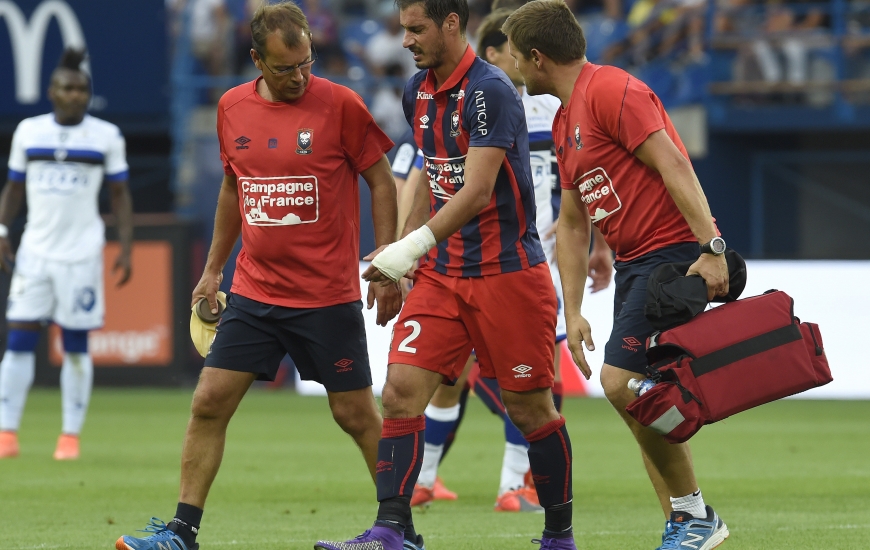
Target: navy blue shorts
point(327, 344)
point(627, 345)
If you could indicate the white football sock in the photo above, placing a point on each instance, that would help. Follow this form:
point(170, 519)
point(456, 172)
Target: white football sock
point(429, 469)
point(432, 452)
point(16, 376)
point(692, 503)
point(513, 467)
point(76, 380)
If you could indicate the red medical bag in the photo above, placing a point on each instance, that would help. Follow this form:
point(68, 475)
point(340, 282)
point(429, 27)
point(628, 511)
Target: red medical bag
point(726, 360)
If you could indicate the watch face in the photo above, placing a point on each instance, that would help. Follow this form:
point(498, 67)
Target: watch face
point(718, 245)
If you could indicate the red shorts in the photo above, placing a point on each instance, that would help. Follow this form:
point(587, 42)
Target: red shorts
point(508, 319)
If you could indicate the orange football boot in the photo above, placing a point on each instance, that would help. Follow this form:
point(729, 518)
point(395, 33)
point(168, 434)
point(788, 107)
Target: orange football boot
point(423, 496)
point(8, 444)
point(67, 447)
point(441, 492)
point(519, 500)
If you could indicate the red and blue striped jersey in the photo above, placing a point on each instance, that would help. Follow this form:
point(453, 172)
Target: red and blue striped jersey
point(476, 107)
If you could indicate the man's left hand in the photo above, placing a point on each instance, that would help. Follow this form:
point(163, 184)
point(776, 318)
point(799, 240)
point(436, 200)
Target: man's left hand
point(714, 270)
point(124, 265)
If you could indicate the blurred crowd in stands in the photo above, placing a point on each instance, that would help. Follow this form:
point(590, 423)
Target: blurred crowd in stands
point(761, 50)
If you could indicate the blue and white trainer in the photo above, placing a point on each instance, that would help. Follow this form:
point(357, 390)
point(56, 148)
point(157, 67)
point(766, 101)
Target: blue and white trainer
point(376, 538)
point(415, 544)
point(686, 532)
point(161, 539)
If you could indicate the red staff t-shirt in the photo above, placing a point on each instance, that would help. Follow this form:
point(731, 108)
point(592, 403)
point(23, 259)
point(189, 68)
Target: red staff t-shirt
point(609, 115)
point(297, 165)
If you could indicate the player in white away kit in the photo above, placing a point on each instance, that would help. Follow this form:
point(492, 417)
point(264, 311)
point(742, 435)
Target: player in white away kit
point(60, 160)
point(516, 493)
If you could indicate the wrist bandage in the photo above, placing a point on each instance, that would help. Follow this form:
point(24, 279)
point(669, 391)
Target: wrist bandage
point(400, 256)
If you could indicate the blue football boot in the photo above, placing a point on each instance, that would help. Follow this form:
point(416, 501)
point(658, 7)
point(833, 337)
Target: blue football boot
point(161, 539)
point(415, 544)
point(686, 532)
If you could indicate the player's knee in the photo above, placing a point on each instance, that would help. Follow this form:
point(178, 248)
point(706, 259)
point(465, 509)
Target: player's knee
point(398, 401)
point(22, 340)
point(75, 341)
point(614, 383)
point(528, 413)
point(210, 404)
point(355, 420)
point(522, 418)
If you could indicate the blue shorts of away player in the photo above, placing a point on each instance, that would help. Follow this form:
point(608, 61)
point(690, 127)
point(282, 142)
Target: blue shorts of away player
point(627, 345)
point(327, 344)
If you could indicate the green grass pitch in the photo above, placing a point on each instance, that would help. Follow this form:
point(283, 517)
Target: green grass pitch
point(789, 475)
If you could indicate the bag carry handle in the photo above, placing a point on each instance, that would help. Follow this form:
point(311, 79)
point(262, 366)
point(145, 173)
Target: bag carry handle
point(747, 348)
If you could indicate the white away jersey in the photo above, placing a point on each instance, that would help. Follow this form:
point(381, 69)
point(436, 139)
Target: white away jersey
point(540, 112)
point(63, 168)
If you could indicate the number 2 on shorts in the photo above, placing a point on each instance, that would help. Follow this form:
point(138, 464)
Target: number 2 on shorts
point(415, 332)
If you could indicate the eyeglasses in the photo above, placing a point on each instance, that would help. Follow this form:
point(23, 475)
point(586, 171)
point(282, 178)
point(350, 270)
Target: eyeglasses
point(292, 69)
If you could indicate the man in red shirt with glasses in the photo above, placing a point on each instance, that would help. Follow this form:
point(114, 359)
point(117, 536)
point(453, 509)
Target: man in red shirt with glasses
point(292, 146)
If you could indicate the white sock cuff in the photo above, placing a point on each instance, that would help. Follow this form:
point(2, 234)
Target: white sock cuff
point(438, 414)
point(692, 503)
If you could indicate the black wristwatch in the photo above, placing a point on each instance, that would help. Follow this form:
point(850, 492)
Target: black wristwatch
point(715, 247)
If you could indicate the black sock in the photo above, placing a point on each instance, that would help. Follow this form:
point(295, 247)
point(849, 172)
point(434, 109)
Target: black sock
point(400, 457)
point(557, 521)
point(395, 513)
point(186, 522)
point(550, 459)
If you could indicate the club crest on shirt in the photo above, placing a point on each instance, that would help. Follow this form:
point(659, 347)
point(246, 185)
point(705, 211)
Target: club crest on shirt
point(454, 124)
point(577, 137)
point(304, 139)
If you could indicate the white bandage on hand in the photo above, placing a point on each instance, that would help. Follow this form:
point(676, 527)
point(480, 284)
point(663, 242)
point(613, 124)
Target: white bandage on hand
point(398, 258)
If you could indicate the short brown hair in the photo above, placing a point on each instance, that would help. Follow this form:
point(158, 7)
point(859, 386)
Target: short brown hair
point(549, 27)
point(489, 32)
point(507, 4)
point(285, 17)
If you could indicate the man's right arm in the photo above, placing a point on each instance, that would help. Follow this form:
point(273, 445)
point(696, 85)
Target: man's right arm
point(227, 227)
point(10, 204)
point(572, 243)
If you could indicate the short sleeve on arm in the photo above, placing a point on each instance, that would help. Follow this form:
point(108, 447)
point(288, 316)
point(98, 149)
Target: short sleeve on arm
point(625, 108)
point(116, 158)
point(362, 140)
point(565, 182)
point(228, 168)
point(18, 156)
point(493, 114)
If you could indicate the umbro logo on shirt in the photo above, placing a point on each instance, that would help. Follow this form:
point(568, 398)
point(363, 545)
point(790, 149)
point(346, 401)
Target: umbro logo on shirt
point(242, 142)
point(424, 121)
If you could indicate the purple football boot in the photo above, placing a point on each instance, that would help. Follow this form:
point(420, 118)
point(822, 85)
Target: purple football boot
point(376, 538)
